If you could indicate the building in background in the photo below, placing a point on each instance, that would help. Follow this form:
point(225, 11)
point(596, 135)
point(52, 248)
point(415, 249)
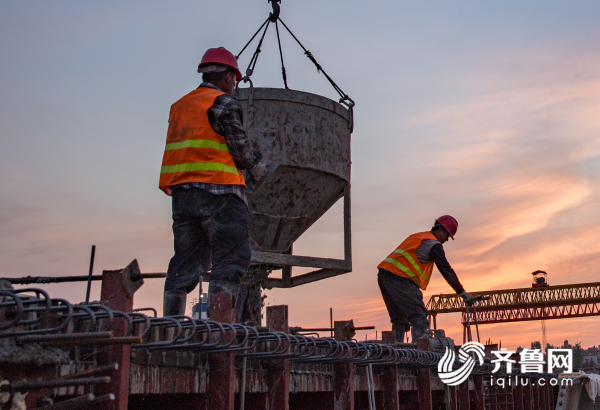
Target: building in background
point(591, 360)
point(200, 307)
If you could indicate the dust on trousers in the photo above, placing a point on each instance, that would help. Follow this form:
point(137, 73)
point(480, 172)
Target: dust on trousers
point(211, 233)
point(404, 302)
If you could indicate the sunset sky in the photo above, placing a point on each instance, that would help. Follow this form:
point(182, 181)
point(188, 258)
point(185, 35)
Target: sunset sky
point(485, 110)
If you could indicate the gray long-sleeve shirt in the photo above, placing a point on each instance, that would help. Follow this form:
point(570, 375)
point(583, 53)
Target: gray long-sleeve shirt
point(432, 251)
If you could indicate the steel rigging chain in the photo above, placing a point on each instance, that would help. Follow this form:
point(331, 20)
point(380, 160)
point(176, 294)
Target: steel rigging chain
point(274, 18)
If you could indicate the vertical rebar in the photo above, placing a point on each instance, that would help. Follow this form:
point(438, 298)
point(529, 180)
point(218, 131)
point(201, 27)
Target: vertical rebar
point(368, 387)
point(331, 320)
point(281, 55)
point(243, 385)
point(89, 282)
point(371, 387)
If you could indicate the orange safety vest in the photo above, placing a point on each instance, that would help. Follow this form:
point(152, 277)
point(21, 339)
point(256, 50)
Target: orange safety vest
point(404, 262)
point(194, 151)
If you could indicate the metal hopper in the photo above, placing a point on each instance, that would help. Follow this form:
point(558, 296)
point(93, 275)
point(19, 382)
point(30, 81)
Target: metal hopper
point(305, 142)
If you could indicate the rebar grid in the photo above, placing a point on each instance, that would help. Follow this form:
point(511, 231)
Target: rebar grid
point(31, 316)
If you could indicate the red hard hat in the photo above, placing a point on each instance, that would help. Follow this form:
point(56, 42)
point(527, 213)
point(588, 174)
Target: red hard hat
point(449, 223)
point(220, 56)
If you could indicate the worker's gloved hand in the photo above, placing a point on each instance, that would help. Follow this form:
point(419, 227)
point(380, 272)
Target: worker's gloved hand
point(467, 297)
point(258, 172)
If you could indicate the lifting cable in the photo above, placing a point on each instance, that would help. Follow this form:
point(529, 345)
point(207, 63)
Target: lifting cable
point(254, 59)
point(274, 18)
point(248, 43)
point(281, 55)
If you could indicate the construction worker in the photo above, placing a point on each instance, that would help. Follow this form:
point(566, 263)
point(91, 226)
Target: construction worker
point(408, 269)
point(206, 149)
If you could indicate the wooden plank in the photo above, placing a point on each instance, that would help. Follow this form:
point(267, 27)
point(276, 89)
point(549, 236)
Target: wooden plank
point(343, 379)
point(343, 385)
point(543, 397)
point(390, 388)
point(527, 400)
point(551, 397)
point(114, 296)
point(518, 398)
point(492, 397)
point(479, 396)
point(389, 382)
point(278, 370)
point(536, 395)
point(221, 387)
point(510, 398)
point(464, 401)
point(453, 405)
point(424, 381)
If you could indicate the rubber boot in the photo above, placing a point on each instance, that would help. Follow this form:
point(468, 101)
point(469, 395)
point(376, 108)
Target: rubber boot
point(418, 333)
point(400, 330)
point(223, 287)
point(174, 303)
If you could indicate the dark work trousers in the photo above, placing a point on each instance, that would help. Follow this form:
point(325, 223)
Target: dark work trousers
point(404, 302)
point(209, 230)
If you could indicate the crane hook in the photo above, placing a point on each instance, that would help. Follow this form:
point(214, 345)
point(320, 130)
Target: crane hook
point(275, 14)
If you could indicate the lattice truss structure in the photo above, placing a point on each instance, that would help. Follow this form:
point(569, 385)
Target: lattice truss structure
point(518, 305)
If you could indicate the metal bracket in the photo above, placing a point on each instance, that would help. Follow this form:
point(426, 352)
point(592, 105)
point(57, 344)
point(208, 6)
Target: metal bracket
point(130, 278)
point(328, 267)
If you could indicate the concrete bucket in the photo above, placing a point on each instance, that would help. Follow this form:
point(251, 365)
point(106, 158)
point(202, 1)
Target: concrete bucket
point(305, 142)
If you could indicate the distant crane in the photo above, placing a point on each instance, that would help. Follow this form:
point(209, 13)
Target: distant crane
point(539, 302)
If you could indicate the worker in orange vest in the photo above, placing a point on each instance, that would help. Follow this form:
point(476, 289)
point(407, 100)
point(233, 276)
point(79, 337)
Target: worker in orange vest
point(206, 150)
point(408, 269)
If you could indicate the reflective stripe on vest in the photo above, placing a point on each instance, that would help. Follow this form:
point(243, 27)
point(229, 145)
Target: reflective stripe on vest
point(198, 166)
point(403, 260)
point(412, 262)
point(400, 266)
point(197, 144)
point(194, 152)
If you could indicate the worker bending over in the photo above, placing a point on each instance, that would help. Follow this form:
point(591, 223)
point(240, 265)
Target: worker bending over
point(206, 149)
point(408, 269)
